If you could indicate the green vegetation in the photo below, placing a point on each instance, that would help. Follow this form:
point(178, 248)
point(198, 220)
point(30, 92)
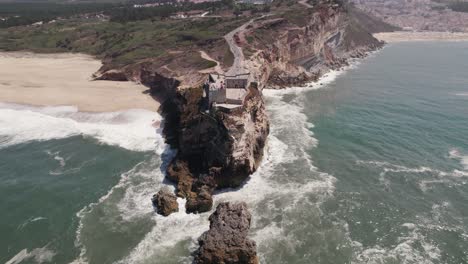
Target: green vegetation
point(120, 34)
point(17, 14)
point(26, 13)
point(124, 43)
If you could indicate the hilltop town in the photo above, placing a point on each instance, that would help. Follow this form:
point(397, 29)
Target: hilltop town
point(418, 15)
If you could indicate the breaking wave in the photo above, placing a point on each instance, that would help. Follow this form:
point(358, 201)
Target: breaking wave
point(130, 129)
point(434, 176)
point(455, 153)
point(39, 255)
point(404, 252)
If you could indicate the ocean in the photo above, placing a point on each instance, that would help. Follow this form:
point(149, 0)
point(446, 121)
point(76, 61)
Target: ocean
point(369, 165)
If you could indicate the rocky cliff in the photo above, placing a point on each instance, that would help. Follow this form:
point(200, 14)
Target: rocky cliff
point(216, 148)
point(303, 43)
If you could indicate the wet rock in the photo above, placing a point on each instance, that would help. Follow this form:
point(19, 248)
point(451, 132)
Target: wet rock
point(165, 202)
point(226, 241)
point(201, 199)
point(179, 173)
point(199, 202)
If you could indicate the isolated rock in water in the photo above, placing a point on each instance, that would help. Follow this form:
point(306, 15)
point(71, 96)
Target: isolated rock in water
point(165, 202)
point(226, 241)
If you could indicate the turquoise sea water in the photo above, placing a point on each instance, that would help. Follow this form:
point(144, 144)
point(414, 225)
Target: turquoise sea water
point(392, 136)
point(369, 167)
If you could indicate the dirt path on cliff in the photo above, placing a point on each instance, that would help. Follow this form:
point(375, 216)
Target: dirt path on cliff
point(216, 68)
point(238, 67)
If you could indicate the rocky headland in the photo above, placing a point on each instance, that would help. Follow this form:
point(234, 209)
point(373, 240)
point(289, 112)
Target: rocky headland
point(220, 148)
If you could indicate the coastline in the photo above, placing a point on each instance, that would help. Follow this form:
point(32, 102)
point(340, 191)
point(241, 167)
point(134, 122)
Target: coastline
point(404, 36)
point(65, 80)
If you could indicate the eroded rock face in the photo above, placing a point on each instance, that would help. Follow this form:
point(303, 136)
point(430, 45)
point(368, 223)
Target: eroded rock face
point(165, 202)
point(298, 48)
point(215, 150)
point(226, 241)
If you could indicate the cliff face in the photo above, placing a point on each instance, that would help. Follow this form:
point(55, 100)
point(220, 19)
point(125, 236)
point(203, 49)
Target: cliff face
point(215, 150)
point(303, 43)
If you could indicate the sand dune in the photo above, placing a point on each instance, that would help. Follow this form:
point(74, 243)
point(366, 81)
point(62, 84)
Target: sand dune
point(65, 79)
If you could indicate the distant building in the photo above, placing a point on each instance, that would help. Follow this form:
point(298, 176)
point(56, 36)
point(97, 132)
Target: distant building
point(221, 89)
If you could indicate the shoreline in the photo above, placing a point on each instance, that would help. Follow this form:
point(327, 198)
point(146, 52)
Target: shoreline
point(407, 36)
point(64, 79)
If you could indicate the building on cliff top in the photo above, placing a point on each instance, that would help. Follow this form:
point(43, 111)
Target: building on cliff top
point(224, 90)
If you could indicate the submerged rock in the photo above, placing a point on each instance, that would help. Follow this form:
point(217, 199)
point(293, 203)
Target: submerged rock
point(165, 202)
point(226, 241)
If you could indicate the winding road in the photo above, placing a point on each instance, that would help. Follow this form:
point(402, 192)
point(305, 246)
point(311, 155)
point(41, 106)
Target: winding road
point(238, 65)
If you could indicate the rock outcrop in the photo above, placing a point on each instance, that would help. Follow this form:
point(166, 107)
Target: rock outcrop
point(218, 149)
point(226, 241)
point(165, 202)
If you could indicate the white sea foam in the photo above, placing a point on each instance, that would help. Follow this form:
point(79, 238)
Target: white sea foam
point(131, 129)
point(388, 167)
point(406, 251)
point(40, 255)
point(57, 157)
point(455, 153)
point(30, 220)
point(434, 176)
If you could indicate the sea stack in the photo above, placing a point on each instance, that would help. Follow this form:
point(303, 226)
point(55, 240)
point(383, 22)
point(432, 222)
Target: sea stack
point(165, 202)
point(226, 241)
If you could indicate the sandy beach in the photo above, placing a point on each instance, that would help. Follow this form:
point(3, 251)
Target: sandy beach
point(65, 79)
point(401, 36)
